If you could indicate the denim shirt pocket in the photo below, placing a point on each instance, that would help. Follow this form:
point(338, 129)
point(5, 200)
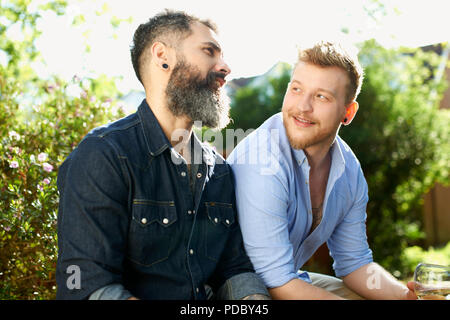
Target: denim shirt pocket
point(149, 239)
point(220, 219)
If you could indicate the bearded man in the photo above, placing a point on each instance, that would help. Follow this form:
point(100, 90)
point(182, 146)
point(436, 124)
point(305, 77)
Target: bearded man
point(146, 210)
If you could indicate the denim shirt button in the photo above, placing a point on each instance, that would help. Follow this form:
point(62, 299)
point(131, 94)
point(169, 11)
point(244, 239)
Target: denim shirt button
point(189, 212)
point(191, 252)
point(183, 174)
point(144, 220)
point(216, 220)
point(199, 175)
point(165, 221)
point(227, 221)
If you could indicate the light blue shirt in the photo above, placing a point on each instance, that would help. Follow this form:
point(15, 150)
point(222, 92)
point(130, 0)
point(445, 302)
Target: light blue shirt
point(274, 206)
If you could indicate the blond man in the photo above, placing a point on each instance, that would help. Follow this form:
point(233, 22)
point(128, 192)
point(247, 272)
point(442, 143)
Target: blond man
point(299, 185)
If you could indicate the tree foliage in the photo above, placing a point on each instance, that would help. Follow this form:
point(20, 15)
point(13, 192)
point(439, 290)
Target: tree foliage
point(401, 138)
point(253, 104)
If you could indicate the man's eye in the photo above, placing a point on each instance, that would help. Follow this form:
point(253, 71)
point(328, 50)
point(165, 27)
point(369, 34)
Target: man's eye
point(322, 97)
point(210, 51)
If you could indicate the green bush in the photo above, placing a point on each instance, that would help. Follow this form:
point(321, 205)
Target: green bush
point(414, 255)
point(401, 139)
point(41, 121)
point(34, 143)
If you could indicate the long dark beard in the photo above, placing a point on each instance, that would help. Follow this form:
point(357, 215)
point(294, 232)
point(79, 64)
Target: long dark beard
point(199, 99)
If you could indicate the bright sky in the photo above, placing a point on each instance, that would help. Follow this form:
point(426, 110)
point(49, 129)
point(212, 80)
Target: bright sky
point(255, 34)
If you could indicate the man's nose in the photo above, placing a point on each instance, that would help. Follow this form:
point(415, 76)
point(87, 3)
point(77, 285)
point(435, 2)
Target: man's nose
point(304, 103)
point(222, 67)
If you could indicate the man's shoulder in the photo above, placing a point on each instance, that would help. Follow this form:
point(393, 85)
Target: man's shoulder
point(268, 139)
point(264, 154)
point(351, 160)
point(353, 175)
point(114, 139)
point(115, 128)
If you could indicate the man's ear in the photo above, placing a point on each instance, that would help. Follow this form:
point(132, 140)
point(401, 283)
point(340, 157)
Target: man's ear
point(160, 55)
point(350, 113)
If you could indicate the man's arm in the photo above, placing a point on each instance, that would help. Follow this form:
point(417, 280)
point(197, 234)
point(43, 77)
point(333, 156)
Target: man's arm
point(262, 203)
point(373, 282)
point(92, 219)
point(112, 292)
point(243, 286)
point(235, 277)
point(297, 289)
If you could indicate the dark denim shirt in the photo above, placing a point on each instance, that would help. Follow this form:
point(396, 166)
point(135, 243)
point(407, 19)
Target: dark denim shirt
point(127, 216)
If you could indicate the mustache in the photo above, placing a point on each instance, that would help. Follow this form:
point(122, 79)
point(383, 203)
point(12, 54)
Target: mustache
point(210, 80)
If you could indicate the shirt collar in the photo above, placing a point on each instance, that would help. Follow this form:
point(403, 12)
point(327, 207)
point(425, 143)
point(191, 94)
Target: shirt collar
point(299, 155)
point(155, 138)
point(337, 158)
point(207, 153)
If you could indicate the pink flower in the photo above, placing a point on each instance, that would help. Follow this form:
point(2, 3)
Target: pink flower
point(42, 156)
point(46, 181)
point(40, 188)
point(47, 167)
point(14, 164)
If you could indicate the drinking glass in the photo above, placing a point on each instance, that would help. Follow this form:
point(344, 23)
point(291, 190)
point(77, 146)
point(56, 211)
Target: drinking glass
point(432, 282)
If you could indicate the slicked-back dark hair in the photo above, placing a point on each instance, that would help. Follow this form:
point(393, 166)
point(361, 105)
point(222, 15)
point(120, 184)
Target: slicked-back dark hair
point(169, 27)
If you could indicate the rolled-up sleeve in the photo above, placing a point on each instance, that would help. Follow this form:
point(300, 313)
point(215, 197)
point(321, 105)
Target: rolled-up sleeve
point(262, 201)
point(348, 243)
point(240, 286)
point(111, 292)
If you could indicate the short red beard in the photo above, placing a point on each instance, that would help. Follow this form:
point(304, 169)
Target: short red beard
point(304, 142)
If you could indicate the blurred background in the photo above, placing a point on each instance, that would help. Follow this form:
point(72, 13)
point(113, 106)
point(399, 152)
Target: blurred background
point(65, 68)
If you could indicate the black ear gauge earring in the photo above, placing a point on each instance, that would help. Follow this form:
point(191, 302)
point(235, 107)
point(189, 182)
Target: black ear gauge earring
point(165, 66)
point(345, 120)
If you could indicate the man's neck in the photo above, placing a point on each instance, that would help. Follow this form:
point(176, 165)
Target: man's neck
point(318, 158)
point(178, 130)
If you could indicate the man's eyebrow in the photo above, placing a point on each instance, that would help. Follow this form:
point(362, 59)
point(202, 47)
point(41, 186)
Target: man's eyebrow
point(318, 89)
point(215, 46)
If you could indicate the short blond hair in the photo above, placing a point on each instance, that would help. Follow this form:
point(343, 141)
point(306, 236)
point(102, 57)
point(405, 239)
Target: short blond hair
point(328, 54)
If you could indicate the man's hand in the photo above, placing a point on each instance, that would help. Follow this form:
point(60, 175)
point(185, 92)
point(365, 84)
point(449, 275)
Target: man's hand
point(410, 295)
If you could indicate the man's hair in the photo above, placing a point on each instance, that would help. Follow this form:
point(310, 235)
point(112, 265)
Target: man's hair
point(328, 54)
point(169, 26)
